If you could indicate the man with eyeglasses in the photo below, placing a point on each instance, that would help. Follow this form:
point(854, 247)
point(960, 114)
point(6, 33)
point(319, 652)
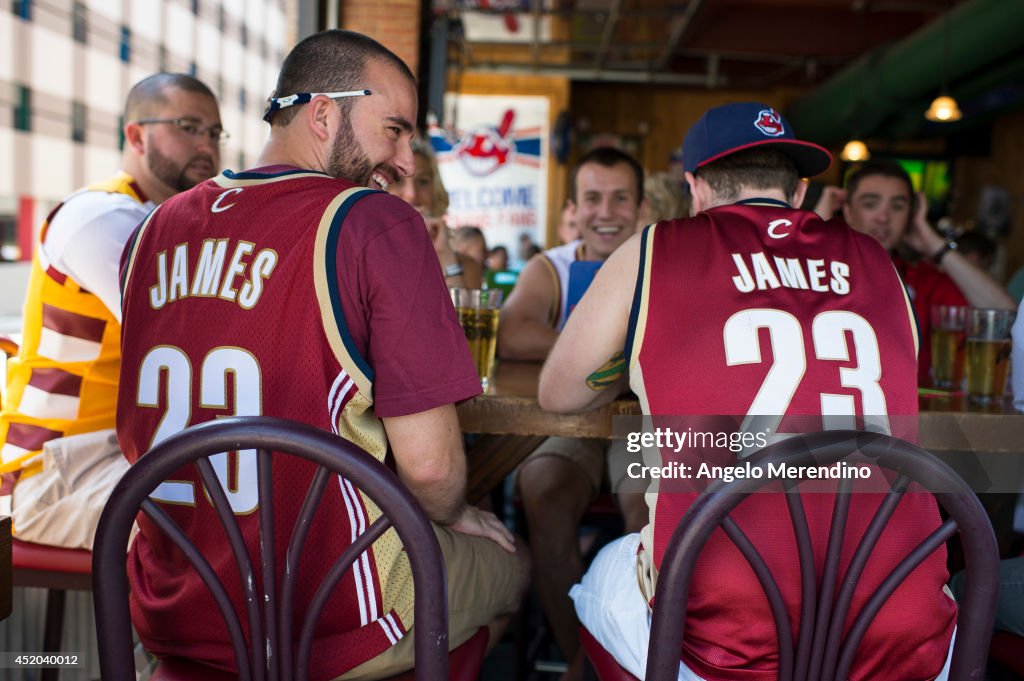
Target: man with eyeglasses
point(59, 452)
point(295, 290)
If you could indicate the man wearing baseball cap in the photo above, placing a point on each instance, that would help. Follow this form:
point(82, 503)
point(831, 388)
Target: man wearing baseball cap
point(751, 308)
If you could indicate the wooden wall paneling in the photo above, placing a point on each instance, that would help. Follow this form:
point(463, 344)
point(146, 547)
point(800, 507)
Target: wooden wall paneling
point(1005, 168)
point(660, 114)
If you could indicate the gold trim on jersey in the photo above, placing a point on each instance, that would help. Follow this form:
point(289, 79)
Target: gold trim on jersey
point(911, 315)
point(556, 305)
point(323, 295)
point(646, 255)
point(133, 250)
point(355, 422)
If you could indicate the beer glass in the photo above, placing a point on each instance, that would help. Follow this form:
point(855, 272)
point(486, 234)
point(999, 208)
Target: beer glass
point(988, 353)
point(949, 324)
point(478, 315)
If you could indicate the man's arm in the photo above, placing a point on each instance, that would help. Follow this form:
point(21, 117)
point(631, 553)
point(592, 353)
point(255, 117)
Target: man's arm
point(978, 287)
point(586, 368)
point(830, 202)
point(524, 331)
point(430, 461)
point(472, 273)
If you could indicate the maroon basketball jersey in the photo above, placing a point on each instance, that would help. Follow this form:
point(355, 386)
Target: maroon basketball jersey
point(757, 309)
point(255, 293)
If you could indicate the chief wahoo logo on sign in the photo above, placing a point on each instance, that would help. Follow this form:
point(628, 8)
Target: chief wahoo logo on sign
point(769, 122)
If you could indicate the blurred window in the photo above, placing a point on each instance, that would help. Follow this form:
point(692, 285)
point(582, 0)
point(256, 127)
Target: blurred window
point(79, 22)
point(9, 238)
point(22, 108)
point(78, 121)
point(23, 9)
point(126, 44)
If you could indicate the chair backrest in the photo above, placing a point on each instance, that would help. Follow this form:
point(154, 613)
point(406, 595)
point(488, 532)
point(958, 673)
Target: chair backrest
point(271, 653)
point(822, 653)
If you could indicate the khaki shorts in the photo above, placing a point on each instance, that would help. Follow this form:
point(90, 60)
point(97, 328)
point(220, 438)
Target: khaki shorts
point(61, 505)
point(483, 580)
point(601, 460)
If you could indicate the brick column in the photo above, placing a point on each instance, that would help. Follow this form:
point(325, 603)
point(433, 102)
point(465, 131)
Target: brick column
point(395, 23)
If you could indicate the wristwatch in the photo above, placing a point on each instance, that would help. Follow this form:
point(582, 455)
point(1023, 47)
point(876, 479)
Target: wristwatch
point(949, 246)
point(453, 270)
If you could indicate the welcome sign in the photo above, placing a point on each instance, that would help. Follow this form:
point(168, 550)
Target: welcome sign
point(494, 164)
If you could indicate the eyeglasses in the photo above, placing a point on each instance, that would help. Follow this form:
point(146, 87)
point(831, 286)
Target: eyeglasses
point(191, 127)
point(278, 103)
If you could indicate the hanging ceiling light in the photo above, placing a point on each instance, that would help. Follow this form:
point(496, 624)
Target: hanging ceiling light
point(855, 150)
point(944, 109)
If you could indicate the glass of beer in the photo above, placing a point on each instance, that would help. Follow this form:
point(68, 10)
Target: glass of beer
point(478, 315)
point(988, 353)
point(949, 331)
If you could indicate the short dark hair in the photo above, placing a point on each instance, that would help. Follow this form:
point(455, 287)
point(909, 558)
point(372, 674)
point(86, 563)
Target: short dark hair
point(467, 232)
point(330, 61)
point(609, 157)
point(152, 91)
point(878, 167)
point(750, 169)
point(976, 242)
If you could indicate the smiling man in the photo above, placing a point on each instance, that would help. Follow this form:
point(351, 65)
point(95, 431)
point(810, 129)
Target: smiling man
point(607, 193)
point(56, 429)
point(879, 201)
point(307, 296)
point(559, 480)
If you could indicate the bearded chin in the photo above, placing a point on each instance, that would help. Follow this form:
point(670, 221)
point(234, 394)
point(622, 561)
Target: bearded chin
point(347, 159)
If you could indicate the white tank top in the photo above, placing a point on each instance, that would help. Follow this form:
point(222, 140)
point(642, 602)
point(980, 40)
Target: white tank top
point(560, 258)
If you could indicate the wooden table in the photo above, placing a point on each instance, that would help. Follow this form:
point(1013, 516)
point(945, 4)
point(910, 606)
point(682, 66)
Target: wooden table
point(510, 408)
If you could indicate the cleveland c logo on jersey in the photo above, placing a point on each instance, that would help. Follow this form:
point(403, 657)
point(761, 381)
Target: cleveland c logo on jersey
point(774, 225)
point(217, 207)
point(770, 123)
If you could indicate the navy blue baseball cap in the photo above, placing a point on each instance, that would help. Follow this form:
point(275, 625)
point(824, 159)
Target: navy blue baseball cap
point(730, 128)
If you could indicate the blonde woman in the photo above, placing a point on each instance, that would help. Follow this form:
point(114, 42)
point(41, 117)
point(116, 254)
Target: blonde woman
point(425, 192)
point(665, 199)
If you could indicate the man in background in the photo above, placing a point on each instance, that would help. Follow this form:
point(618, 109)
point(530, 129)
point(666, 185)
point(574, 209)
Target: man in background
point(59, 452)
point(879, 201)
point(559, 480)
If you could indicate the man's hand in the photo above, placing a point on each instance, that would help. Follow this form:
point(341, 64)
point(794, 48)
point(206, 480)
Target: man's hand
point(479, 523)
point(439, 236)
point(920, 236)
point(830, 202)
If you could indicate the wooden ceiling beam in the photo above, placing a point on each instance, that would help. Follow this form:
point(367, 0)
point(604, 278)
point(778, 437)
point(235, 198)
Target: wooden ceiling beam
point(679, 30)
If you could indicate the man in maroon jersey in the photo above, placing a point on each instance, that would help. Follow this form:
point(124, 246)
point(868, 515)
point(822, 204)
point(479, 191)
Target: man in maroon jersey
point(292, 290)
point(751, 308)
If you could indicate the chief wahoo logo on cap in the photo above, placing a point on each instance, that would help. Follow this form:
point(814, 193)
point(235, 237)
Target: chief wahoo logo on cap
point(770, 123)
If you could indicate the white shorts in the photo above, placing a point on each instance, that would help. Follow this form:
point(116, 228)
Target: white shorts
point(609, 604)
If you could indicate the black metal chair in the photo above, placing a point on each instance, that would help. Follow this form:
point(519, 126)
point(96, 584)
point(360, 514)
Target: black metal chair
point(269, 605)
point(822, 652)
